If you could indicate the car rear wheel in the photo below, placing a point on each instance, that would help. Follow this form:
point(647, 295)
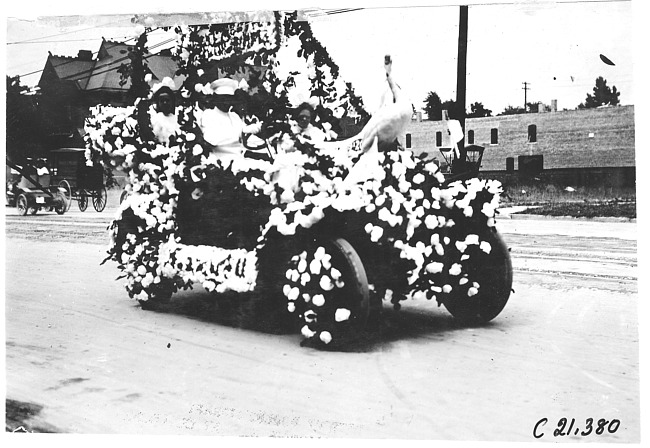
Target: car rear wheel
point(61, 205)
point(67, 192)
point(21, 205)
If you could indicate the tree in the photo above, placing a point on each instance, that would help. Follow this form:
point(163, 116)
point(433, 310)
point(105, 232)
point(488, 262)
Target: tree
point(24, 133)
point(453, 111)
point(603, 95)
point(513, 110)
point(136, 70)
point(478, 110)
point(433, 106)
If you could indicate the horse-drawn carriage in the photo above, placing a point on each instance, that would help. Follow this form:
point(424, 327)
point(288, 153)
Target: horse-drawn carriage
point(80, 182)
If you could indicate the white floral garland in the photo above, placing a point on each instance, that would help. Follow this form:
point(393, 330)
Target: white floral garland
point(393, 199)
point(406, 206)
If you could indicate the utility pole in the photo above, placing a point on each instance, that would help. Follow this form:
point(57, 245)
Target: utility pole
point(461, 83)
point(526, 87)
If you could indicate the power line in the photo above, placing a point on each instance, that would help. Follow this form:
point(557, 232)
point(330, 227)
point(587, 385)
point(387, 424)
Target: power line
point(110, 69)
point(63, 34)
point(72, 60)
point(65, 40)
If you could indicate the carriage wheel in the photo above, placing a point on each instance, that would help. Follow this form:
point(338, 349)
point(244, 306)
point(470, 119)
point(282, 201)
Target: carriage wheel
point(21, 205)
point(99, 199)
point(493, 272)
point(65, 185)
point(83, 201)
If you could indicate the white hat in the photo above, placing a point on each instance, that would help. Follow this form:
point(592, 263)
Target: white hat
point(224, 86)
point(166, 82)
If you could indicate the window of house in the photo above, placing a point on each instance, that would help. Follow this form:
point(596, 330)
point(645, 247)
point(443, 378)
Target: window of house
point(532, 133)
point(494, 136)
point(470, 137)
point(439, 138)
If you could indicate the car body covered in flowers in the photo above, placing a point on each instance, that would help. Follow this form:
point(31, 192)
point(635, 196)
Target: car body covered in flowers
point(317, 233)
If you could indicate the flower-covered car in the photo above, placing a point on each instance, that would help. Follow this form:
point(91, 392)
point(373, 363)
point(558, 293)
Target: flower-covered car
point(317, 233)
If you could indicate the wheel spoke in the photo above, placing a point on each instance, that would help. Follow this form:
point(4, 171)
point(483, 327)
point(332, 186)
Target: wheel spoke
point(99, 199)
point(83, 201)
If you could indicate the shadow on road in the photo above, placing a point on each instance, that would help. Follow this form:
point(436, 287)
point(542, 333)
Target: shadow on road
point(234, 310)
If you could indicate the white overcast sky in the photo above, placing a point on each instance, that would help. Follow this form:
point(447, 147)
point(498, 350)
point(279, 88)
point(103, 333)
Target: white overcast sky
point(555, 47)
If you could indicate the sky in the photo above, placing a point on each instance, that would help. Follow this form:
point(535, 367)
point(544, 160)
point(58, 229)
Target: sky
point(553, 47)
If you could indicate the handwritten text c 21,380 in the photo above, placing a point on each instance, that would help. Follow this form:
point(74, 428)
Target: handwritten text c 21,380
point(566, 427)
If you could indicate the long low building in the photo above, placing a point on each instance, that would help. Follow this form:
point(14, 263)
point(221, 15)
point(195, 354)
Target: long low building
point(583, 140)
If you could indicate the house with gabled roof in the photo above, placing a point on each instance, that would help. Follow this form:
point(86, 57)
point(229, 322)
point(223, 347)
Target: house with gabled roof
point(69, 86)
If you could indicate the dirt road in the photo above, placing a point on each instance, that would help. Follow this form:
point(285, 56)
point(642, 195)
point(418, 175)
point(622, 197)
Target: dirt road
point(89, 360)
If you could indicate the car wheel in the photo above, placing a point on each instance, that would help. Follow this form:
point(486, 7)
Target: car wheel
point(21, 205)
point(493, 272)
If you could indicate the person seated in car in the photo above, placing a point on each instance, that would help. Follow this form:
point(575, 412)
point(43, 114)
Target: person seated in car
point(303, 123)
point(163, 118)
point(221, 125)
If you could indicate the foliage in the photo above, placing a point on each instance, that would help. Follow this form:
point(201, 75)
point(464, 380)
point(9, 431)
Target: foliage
point(23, 126)
point(433, 106)
point(608, 209)
point(513, 110)
point(603, 95)
point(453, 110)
point(136, 69)
point(478, 110)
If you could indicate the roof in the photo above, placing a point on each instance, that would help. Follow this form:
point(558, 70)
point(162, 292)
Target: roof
point(101, 72)
point(105, 75)
point(71, 69)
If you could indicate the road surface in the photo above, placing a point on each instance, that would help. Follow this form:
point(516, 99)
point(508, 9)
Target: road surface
point(81, 357)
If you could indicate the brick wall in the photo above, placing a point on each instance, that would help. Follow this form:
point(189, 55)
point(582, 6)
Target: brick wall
point(567, 139)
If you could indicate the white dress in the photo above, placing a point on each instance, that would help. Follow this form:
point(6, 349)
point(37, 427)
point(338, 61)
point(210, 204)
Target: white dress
point(223, 131)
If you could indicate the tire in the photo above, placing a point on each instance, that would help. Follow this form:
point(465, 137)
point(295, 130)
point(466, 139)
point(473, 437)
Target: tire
point(493, 272)
point(65, 185)
point(160, 296)
point(83, 201)
point(346, 259)
point(123, 196)
point(21, 205)
point(33, 210)
point(62, 204)
point(99, 199)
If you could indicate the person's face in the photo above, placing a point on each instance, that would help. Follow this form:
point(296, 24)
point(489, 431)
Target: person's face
point(165, 104)
point(304, 118)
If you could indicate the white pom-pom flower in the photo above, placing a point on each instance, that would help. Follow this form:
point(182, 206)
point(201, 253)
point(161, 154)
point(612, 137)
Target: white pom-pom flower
point(326, 283)
point(306, 332)
point(318, 300)
point(326, 337)
point(341, 314)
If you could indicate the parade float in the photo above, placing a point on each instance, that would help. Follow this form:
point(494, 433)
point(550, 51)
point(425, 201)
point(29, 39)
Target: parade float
point(315, 232)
